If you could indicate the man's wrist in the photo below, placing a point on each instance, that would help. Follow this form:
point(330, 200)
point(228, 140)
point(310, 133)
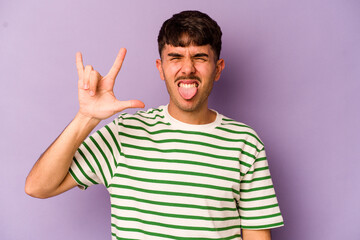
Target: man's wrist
point(88, 120)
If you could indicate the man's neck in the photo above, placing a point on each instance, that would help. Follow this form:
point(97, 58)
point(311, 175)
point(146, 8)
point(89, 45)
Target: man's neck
point(200, 116)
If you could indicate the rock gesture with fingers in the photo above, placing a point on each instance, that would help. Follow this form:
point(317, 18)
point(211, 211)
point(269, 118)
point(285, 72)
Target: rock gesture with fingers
point(96, 96)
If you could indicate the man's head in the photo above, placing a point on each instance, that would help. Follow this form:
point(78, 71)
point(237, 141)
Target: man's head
point(190, 28)
point(189, 46)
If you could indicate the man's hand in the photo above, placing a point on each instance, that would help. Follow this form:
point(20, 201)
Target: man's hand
point(96, 96)
point(50, 174)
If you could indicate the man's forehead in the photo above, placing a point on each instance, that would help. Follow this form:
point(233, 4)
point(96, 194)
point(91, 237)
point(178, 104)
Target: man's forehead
point(190, 48)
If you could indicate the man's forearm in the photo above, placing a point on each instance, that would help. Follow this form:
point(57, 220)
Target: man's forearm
point(263, 234)
point(53, 165)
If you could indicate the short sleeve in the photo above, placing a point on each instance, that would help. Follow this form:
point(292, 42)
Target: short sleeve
point(95, 160)
point(258, 205)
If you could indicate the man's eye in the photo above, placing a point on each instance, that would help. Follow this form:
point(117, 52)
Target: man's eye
point(201, 59)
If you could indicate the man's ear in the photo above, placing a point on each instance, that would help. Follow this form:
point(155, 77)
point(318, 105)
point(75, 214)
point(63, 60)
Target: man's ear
point(159, 67)
point(220, 65)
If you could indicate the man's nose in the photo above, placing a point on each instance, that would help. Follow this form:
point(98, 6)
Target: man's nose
point(188, 67)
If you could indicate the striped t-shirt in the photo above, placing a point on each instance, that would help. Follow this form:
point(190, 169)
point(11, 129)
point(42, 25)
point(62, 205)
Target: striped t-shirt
point(171, 180)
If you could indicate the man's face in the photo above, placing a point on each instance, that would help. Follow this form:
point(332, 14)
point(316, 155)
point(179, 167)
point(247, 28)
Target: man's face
point(189, 73)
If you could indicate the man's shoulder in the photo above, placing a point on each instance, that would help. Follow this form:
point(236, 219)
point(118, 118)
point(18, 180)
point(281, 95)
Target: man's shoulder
point(231, 123)
point(236, 127)
point(150, 116)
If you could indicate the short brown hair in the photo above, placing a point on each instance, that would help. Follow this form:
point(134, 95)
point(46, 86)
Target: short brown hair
point(197, 27)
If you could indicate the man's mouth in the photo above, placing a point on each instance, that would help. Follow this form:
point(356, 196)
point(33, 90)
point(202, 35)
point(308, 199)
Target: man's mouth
point(188, 88)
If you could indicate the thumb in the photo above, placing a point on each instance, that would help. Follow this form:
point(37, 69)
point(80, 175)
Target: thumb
point(122, 105)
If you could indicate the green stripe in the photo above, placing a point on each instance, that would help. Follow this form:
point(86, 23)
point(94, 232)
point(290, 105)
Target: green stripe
point(240, 132)
point(263, 226)
point(245, 164)
point(103, 154)
point(145, 123)
point(174, 182)
point(183, 151)
point(234, 123)
point(110, 149)
point(83, 172)
point(257, 189)
point(182, 162)
point(167, 235)
point(187, 141)
point(153, 118)
point(171, 215)
point(171, 204)
point(257, 198)
point(154, 110)
point(261, 169)
point(121, 238)
point(86, 160)
point(259, 208)
point(172, 225)
point(97, 162)
point(260, 159)
point(76, 179)
point(228, 119)
point(191, 195)
point(107, 144)
point(114, 140)
point(178, 172)
point(190, 133)
point(260, 217)
point(256, 179)
point(149, 111)
point(258, 170)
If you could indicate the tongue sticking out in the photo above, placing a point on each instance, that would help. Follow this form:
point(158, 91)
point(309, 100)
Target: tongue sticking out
point(187, 92)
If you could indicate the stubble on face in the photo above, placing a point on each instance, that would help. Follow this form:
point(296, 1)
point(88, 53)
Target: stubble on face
point(196, 103)
point(189, 74)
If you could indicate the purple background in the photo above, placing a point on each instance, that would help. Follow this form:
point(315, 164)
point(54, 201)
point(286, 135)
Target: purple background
point(292, 72)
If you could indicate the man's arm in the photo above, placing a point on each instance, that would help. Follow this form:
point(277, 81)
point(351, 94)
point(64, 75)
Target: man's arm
point(50, 174)
point(256, 234)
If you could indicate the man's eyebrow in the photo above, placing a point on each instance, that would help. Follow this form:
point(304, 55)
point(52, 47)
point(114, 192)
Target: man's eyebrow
point(201, 55)
point(174, 55)
point(197, 55)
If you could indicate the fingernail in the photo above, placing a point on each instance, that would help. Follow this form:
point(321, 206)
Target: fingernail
point(86, 86)
point(92, 93)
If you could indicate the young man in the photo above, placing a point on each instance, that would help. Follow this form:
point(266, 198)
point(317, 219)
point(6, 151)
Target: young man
point(180, 171)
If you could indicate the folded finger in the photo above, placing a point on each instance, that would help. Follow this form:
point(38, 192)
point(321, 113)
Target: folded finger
point(86, 76)
point(94, 79)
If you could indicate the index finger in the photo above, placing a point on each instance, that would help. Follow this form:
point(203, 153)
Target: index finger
point(117, 64)
point(79, 64)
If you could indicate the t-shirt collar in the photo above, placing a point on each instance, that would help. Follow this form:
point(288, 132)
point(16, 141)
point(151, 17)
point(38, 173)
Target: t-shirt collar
point(192, 127)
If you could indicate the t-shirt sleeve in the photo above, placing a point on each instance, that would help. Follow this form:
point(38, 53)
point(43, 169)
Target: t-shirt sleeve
point(258, 205)
point(95, 160)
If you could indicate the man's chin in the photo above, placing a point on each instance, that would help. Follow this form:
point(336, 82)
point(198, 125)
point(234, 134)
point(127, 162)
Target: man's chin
point(187, 105)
